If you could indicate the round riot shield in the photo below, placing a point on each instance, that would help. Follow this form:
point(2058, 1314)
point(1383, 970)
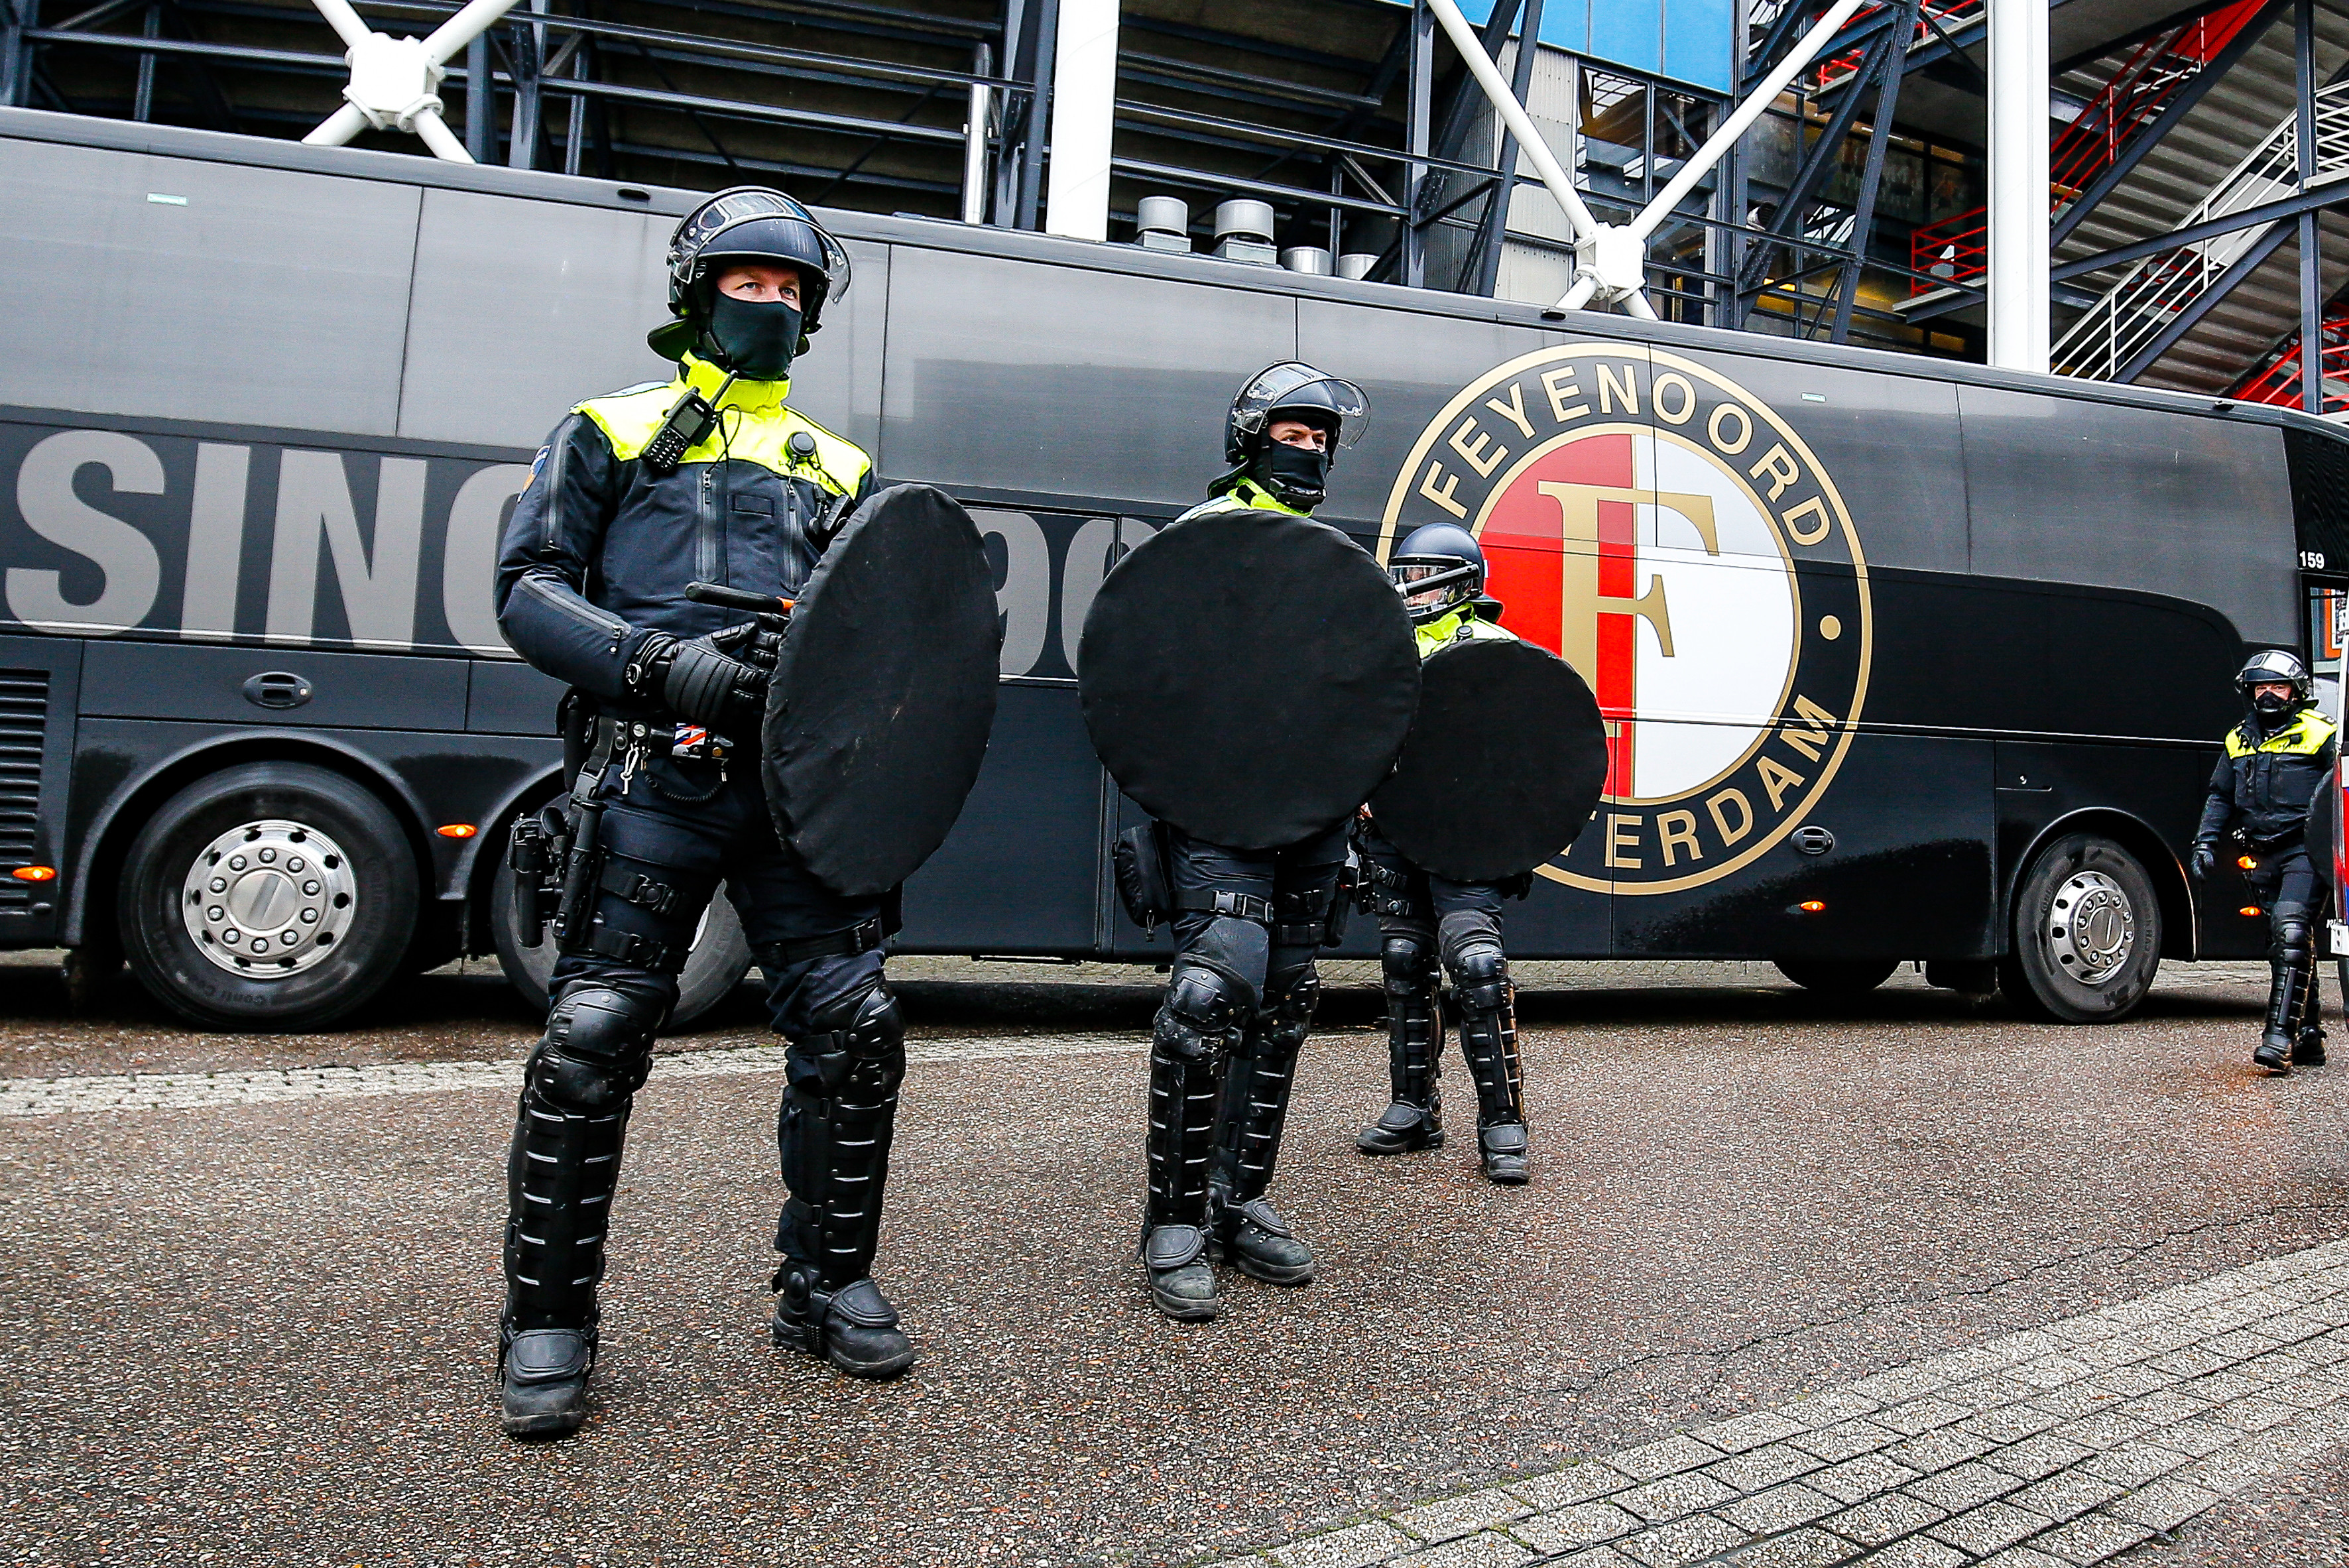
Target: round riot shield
point(882, 699)
point(1503, 765)
point(1247, 675)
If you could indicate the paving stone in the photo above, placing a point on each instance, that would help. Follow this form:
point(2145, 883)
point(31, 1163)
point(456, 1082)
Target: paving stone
point(2027, 1345)
point(2188, 1363)
point(1962, 1486)
point(2037, 1457)
point(2253, 1415)
point(2065, 1496)
point(1864, 1477)
point(1684, 1540)
point(1844, 1439)
point(1883, 1519)
point(2009, 1424)
point(2244, 1342)
point(1989, 1528)
point(2228, 1470)
point(1987, 1393)
point(1355, 1547)
point(2133, 1464)
point(1453, 1516)
point(1673, 1496)
point(2106, 1430)
point(2090, 1539)
point(1939, 1451)
point(2307, 1392)
point(1800, 1549)
point(2071, 1404)
point(1605, 1557)
point(1742, 1432)
point(1917, 1551)
point(2197, 1437)
point(2164, 1505)
point(1652, 1461)
point(1900, 1383)
point(2165, 1406)
point(1763, 1466)
point(1780, 1508)
point(1574, 1483)
point(1485, 1551)
point(2023, 1557)
point(1919, 1416)
point(2131, 1381)
point(1586, 1524)
point(1825, 1409)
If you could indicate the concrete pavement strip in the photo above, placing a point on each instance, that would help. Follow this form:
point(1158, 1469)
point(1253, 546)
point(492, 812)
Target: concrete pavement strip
point(2068, 1444)
point(190, 1091)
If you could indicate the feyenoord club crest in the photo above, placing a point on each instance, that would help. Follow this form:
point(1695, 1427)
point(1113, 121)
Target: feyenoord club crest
point(1668, 535)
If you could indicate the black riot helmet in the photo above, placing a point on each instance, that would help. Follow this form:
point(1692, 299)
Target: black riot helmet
point(1444, 555)
point(748, 223)
point(2276, 667)
point(1294, 476)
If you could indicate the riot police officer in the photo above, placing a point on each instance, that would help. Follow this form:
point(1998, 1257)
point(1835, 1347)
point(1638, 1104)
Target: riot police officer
point(711, 476)
point(2260, 795)
point(1423, 917)
point(1240, 995)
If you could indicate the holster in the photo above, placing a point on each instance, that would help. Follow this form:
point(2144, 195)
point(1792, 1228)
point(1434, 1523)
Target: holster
point(1145, 885)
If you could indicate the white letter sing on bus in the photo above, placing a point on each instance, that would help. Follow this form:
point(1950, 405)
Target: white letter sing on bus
point(45, 494)
point(314, 497)
point(469, 557)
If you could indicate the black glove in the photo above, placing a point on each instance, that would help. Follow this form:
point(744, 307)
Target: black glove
point(697, 681)
point(2205, 861)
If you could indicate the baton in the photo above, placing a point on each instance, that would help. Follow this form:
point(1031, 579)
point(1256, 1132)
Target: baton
point(738, 599)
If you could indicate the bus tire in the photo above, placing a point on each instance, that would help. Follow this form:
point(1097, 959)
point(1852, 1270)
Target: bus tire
point(720, 955)
point(1837, 976)
point(2087, 933)
point(268, 896)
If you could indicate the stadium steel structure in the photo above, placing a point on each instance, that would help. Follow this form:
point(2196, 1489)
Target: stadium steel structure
point(2199, 158)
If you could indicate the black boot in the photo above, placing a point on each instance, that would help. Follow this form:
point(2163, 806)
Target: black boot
point(1487, 1005)
point(1414, 1119)
point(852, 1326)
point(2292, 965)
point(1194, 1030)
point(1249, 1234)
point(833, 1135)
point(561, 1173)
point(2308, 1045)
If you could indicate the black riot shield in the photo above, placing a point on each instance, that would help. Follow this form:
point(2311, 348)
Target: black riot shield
point(883, 694)
point(1503, 764)
point(1248, 677)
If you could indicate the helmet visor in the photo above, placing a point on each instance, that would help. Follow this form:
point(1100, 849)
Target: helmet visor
point(1406, 573)
point(1299, 391)
point(755, 224)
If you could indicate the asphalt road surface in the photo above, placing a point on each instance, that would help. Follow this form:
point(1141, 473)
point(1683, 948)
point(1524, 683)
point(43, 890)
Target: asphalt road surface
point(262, 1332)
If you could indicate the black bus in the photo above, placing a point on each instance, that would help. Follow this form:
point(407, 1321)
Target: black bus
point(1903, 659)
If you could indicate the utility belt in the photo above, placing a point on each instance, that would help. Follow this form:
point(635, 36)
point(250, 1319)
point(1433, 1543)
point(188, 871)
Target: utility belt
point(561, 868)
point(1142, 858)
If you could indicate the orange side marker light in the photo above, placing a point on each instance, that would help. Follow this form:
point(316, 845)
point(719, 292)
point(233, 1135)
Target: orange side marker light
point(456, 829)
point(2246, 862)
point(1812, 906)
point(2249, 909)
point(35, 873)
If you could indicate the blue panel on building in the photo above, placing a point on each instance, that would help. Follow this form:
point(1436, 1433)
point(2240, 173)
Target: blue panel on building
point(1688, 40)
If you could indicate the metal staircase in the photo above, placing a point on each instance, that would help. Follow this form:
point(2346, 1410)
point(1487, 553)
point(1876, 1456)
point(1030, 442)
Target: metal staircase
point(2202, 171)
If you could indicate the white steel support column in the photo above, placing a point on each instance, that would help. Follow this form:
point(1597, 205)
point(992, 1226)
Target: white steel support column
point(1084, 102)
point(2018, 129)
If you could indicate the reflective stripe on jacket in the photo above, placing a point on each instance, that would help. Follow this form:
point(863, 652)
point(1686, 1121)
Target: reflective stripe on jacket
point(600, 548)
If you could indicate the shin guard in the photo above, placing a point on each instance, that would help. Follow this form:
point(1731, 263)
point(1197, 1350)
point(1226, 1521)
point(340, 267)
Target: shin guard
point(1256, 1083)
point(833, 1134)
point(1197, 1028)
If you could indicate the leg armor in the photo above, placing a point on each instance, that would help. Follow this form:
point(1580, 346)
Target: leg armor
point(833, 1132)
point(2308, 1045)
point(1487, 1005)
point(1414, 1050)
point(1197, 1028)
point(560, 1176)
point(2291, 960)
point(1250, 1233)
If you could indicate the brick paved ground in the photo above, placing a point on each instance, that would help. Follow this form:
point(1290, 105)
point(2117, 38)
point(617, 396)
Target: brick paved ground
point(2068, 1444)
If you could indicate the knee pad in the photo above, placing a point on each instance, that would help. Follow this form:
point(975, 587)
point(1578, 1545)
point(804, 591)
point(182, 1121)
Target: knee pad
point(2294, 940)
point(1240, 948)
point(1290, 996)
point(861, 1040)
point(1407, 965)
point(1473, 957)
point(597, 1048)
point(1204, 1008)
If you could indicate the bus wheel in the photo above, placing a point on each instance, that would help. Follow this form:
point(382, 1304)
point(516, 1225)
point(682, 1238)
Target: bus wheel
point(276, 895)
point(1837, 976)
point(2087, 934)
point(720, 955)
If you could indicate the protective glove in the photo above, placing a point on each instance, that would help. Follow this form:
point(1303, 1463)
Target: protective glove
point(694, 679)
point(2205, 861)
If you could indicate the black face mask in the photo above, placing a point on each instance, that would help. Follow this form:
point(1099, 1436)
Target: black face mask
point(1296, 476)
point(755, 338)
point(2269, 705)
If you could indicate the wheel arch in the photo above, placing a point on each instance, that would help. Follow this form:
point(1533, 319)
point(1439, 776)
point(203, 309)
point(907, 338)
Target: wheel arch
point(136, 800)
point(2181, 936)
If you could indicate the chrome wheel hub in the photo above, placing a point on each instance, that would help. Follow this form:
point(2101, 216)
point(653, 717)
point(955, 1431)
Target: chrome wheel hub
point(269, 898)
point(2091, 928)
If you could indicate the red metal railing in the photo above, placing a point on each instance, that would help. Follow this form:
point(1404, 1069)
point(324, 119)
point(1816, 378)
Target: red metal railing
point(1956, 249)
point(2277, 379)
